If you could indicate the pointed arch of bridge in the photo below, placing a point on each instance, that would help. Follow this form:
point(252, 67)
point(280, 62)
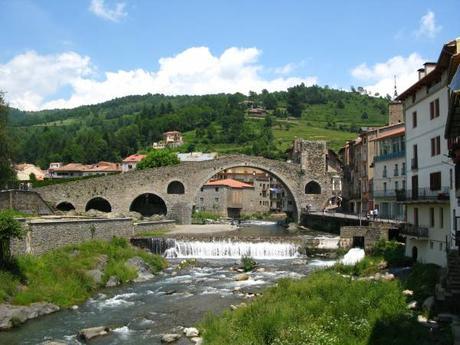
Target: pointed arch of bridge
point(148, 204)
point(274, 172)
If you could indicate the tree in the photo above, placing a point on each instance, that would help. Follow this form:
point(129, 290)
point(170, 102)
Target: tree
point(294, 102)
point(158, 158)
point(9, 229)
point(7, 174)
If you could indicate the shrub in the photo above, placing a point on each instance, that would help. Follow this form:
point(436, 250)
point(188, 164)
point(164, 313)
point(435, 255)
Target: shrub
point(392, 252)
point(248, 263)
point(9, 229)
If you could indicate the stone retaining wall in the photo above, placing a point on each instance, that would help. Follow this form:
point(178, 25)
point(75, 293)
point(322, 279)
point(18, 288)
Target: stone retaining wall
point(371, 234)
point(24, 201)
point(44, 235)
point(153, 225)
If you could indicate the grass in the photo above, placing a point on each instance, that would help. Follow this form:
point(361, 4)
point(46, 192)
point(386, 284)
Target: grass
point(154, 233)
point(202, 216)
point(59, 276)
point(328, 309)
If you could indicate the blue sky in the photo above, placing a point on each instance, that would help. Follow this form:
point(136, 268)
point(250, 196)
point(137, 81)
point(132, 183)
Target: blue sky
point(58, 53)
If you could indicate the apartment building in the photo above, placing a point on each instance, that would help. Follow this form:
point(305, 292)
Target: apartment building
point(429, 171)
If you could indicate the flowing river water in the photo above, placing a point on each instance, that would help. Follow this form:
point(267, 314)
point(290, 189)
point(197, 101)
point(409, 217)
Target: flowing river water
point(140, 313)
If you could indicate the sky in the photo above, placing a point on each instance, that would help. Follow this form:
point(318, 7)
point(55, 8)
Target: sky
point(62, 54)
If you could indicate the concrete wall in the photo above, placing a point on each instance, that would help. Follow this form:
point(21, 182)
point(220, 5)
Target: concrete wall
point(121, 190)
point(24, 201)
point(45, 235)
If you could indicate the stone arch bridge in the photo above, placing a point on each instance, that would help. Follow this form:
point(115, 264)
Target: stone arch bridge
point(174, 188)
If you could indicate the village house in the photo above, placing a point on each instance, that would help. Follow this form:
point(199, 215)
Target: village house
point(71, 170)
point(25, 170)
point(196, 156)
point(171, 139)
point(429, 174)
point(130, 162)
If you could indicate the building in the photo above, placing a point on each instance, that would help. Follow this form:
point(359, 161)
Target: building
point(73, 170)
point(231, 198)
point(389, 170)
point(196, 156)
point(25, 170)
point(429, 173)
point(173, 139)
point(130, 162)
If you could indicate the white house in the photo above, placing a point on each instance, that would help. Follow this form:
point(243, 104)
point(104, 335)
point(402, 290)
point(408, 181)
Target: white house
point(130, 162)
point(429, 171)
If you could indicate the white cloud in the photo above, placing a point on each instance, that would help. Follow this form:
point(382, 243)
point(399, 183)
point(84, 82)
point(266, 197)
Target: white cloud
point(428, 27)
point(102, 10)
point(194, 71)
point(380, 77)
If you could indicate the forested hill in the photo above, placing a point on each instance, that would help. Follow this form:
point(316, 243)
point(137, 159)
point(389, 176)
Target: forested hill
point(117, 128)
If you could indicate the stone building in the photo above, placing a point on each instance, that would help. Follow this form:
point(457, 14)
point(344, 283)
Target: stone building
point(130, 162)
point(72, 170)
point(232, 198)
point(24, 171)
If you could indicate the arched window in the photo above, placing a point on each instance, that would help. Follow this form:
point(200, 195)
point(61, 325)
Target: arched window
point(99, 204)
point(148, 204)
point(65, 206)
point(176, 187)
point(312, 187)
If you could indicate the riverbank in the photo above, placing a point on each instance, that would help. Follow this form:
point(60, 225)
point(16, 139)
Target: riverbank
point(356, 305)
point(70, 275)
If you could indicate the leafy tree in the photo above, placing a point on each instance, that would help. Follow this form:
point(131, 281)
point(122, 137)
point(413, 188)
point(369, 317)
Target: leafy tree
point(294, 102)
point(9, 229)
point(158, 158)
point(364, 116)
point(6, 171)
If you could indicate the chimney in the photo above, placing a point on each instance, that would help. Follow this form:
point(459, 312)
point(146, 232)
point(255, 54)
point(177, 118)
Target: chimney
point(429, 67)
point(421, 73)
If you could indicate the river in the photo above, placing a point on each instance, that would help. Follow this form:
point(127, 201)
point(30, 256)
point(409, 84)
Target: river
point(139, 313)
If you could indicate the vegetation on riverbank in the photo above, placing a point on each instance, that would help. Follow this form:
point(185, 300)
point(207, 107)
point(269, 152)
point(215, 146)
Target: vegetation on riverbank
point(154, 233)
point(330, 308)
point(60, 276)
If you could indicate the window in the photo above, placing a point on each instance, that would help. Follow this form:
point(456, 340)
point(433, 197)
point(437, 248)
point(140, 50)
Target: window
point(384, 171)
point(217, 189)
point(440, 245)
point(396, 171)
point(404, 184)
point(434, 109)
point(396, 185)
point(432, 217)
point(431, 244)
point(414, 119)
point(441, 217)
point(403, 169)
point(217, 199)
point(384, 187)
point(201, 200)
point(435, 181)
point(436, 146)
point(416, 216)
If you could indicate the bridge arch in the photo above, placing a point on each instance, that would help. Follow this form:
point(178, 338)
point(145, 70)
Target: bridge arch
point(284, 180)
point(176, 187)
point(148, 204)
point(65, 206)
point(312, 187)
point(99, 204)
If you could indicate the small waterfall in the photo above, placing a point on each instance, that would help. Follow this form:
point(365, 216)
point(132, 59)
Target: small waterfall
point(232, 250)
point(157, 245)
point(353, 256)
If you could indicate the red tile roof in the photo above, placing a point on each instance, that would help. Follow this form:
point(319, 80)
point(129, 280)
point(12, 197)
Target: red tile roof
point(133, 158)
point(228, 182)
point(390, 133)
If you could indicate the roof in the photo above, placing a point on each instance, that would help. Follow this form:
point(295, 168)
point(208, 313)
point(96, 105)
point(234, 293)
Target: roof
point(196, 156)
point(98, 167)
point(228, 182)
point(445, 62)
point(171, 132)
point(390, 133)
point(133, 158)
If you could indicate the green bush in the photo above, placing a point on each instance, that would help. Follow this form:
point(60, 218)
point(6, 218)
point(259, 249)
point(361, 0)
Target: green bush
point(202, 216)
point(392, 252)
point(10, 229)
point(248, 263)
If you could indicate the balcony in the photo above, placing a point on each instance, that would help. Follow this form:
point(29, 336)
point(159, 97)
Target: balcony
point(388, 156)
point(414, 230)
point(423, 194)
point(389, 193)
point(414, 163)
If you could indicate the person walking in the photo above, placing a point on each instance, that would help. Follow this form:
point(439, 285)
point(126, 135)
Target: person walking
point(376, 213)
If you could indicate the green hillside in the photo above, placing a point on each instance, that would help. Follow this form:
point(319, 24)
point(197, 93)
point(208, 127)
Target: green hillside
point(117, 128)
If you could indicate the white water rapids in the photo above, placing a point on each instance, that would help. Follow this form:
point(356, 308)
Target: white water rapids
point(232, 250)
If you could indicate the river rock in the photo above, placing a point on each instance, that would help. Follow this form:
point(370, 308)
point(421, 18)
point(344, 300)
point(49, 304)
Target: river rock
point(93, 332)
point(241, 277)
point(388, 276)
point(292, 228)
point(235, 307)
point(12, 315)
point(428, 303)
point(143, 269)
point(197, 340)
point(169, 338)
point(260, 269)
point(96, 275)
point(74, 307)
point(53, 342)
point(112, 282)
point(191, 332)
point(412, 305)
point(408, 293)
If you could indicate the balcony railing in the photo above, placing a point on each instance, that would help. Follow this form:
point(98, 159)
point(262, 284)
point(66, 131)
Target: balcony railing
point(389, 193)
point(391, 155)
point(414, 230)
point(422, 194)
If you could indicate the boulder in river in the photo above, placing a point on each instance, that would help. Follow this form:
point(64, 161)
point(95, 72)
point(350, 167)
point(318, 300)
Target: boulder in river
point(96, 275)
point(112, 282)
point(12, 315)
point(169, 338)
point(191, 332)
point(197, 340)
point(142, 268)
point(93, 332)
point(241, 277)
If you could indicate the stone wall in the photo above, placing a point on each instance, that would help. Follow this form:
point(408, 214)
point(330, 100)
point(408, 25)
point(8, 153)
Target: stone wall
point(44, 235)
point(24, 201)
point(145, 226)
point(372, 233)
point(121, 190)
